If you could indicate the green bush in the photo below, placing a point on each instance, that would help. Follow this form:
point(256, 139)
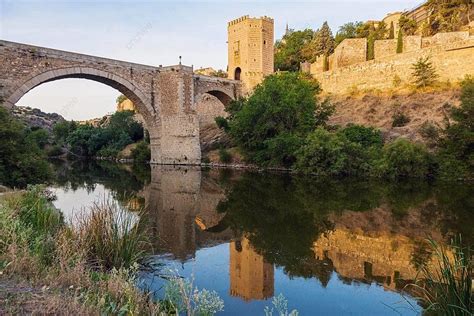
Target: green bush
point(400, 119)
point(225, 156)
point(54, 151)
point(222, 123)
point(365, 136)
point(430, 133)
point(141, 153)
point(22, 162)
point(457, 145)
point(404, 159)
point(276, 118)
point(107, 152)
point(332, 154)
point(38, 136)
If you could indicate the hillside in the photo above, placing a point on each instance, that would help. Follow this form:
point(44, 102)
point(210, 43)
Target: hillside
point(36, 118)
point(378, 111)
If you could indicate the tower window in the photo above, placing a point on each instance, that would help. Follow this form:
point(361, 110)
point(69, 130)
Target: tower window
point(264, 42)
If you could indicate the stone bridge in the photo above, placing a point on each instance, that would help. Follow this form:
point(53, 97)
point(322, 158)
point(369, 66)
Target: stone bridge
point(164, 96)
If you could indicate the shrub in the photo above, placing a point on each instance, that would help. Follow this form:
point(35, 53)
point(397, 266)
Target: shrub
point(424, 73)
point(430, 133)
point(404, 159)
point(54, 151)
point(400, 119)
point(332, 154)
point(141, 153)
point(279, 114)
point(397, 81)
point(457, 145)
point(365, 136)
point(225, 156)
point(222, 123)
point(107, 152)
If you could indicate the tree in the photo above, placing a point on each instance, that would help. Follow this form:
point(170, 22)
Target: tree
point(121, 98)
point(289, 50)
point(371, 47)
point(400, 42)
point(324, 41)
point(457, 145)
point(407, 25)
point(272, 123)
point(447, 15)
point(348, 30)
point(404, 159)
point(331, 154)
point(391, 32)
point(424, 73)
point(22, 162)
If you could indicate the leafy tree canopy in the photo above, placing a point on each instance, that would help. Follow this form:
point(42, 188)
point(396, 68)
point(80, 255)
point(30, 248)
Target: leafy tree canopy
point(272, 123)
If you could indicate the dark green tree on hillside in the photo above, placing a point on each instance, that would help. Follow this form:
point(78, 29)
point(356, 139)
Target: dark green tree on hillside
point(348, 30)
point(322, 44)
point(324, 41)
point(424, 73)
point(391, 31)
point(400, 42)
point(289, 50)
point(272, 123)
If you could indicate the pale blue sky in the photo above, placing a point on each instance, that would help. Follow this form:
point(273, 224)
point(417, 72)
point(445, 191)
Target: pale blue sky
point(154, 32)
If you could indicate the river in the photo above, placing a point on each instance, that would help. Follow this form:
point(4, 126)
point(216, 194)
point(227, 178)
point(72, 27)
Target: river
point(332, 247)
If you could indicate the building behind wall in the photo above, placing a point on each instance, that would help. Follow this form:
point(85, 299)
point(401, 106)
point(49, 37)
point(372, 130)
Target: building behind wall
point(250, 50)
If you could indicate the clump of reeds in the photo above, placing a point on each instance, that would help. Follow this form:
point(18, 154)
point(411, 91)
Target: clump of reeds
point(110, 236)
point(446, 284)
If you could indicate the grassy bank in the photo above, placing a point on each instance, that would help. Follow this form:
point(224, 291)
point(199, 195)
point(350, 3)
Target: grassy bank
point(48, 267)
point(88, 267)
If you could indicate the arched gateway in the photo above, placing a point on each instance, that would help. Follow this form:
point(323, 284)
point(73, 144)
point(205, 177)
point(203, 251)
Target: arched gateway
point(164, 96)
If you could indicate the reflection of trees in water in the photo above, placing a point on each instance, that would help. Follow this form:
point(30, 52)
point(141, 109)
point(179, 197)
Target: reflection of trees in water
point(122, 180)
point(283, 216)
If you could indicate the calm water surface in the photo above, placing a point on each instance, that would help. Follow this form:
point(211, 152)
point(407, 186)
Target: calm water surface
point(331, 248)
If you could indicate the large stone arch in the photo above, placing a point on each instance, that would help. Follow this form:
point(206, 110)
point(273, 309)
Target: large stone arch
point(142, 102)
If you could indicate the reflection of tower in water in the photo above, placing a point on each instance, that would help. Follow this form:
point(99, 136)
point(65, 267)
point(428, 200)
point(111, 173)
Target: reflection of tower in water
point(251, 278)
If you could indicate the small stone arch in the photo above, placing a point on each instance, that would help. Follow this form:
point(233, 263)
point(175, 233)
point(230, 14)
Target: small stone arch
point(237, 73)
point(222, 96)
point(142, 102)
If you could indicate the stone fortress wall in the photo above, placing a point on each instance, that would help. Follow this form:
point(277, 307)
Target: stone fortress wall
point(452, 54)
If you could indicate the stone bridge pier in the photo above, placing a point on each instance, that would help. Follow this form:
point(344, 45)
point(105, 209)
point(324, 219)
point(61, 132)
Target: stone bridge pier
point(164, 96)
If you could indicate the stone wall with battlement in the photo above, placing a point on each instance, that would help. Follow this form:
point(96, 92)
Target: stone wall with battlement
point(452, 54)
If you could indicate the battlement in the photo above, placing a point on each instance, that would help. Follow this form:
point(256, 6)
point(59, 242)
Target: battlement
point(347, 68)
point(247, 17)
point(250, 50)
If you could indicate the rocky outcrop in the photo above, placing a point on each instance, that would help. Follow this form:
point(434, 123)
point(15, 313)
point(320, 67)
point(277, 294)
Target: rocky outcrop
point(37, 118)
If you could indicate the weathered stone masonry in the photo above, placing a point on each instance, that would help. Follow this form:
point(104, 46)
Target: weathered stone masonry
point(164, 96)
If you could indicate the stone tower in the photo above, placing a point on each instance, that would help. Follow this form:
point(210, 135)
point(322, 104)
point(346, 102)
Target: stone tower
point(250, 49)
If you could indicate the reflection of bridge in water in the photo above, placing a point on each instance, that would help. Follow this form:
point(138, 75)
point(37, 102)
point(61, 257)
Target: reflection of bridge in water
point(183, 218)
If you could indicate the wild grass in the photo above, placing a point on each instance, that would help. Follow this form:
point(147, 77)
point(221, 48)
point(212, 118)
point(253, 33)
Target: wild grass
point(111, 236)
point(91, 267)
point(446, 285)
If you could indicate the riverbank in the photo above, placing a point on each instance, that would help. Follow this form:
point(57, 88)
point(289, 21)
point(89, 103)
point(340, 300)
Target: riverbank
point(47, 267)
